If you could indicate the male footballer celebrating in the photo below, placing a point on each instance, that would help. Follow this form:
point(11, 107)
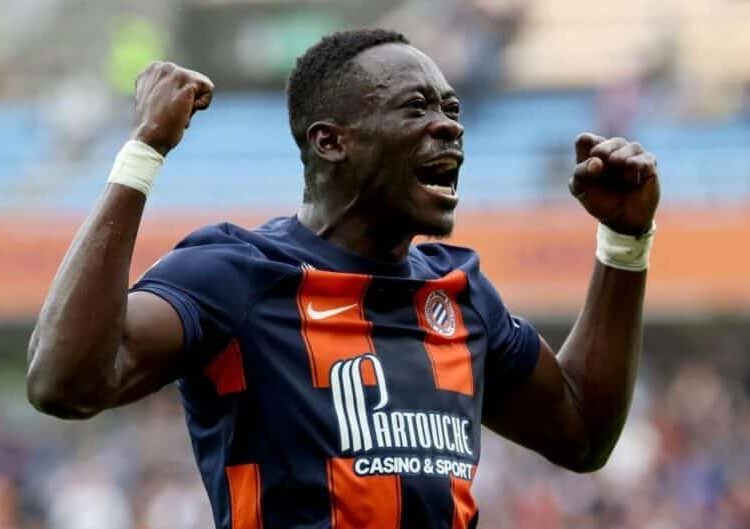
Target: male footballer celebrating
point(334, 375)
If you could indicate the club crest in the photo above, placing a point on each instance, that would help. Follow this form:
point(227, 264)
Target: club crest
point(440, 314)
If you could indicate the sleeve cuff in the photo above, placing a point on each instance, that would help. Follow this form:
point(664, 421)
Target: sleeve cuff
point(183, 305)
point(528, 354)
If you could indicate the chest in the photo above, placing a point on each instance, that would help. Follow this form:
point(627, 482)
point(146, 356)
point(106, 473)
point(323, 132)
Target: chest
point(326, 329)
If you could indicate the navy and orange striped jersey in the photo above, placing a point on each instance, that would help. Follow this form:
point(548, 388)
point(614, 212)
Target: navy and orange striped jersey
point(324, 390)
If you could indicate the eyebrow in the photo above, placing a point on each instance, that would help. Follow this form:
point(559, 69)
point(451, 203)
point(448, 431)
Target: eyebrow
point(423, 88)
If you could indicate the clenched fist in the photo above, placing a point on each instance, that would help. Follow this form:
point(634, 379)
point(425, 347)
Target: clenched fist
point(166, 97)
point(616, 181)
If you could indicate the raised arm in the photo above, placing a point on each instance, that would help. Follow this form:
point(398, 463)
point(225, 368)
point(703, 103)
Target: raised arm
point(93, 346)
point(573, 407)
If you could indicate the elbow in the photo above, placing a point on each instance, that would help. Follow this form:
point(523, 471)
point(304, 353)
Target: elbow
point(586, 458)
point(53, 400)
point(60, 398)
point(589, 464)
point(578, 454)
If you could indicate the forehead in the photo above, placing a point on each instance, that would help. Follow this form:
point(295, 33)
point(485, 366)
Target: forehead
point(394, 67)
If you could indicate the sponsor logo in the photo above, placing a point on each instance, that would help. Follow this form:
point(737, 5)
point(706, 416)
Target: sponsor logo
point(349, 401)
point(440, 314)
point(437, 466)
point(324, 314)
point(365, 426)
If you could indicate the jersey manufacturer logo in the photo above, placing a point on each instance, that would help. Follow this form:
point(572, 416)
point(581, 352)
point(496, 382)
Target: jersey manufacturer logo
point(440, 314)
point(325, 314)
point(426, 442)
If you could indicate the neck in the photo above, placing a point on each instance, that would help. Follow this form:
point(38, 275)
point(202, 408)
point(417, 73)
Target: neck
point(353, 232)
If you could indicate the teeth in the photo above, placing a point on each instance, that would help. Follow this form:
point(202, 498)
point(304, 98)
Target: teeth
point(448, 163)
point(445, 190)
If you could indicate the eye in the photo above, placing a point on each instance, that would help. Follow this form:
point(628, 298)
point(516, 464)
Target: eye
point(452, 109)
point(418, 104)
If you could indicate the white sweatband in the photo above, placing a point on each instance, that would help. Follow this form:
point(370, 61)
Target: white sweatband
point(624, 252)
point(136, 166)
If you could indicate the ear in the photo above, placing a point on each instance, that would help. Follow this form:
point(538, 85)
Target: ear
point(325, 138)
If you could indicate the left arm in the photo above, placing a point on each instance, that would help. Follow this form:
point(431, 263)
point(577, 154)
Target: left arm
point(573, 407)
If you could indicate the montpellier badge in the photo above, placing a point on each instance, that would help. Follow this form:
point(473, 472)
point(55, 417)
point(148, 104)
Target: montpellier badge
point(440, 314)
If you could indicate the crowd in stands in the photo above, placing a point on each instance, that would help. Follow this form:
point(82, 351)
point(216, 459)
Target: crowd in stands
point(520, 110)
point(535, 73)
point(682, 463)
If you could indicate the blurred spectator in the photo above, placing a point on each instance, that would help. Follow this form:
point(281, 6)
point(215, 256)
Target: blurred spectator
point(8, 503)
point(84, 104)
point(84, 497)
point(135, 42)
point(77, 110)
point(683, 459)
point(618, 103)
point(177, 504)
point(681, 463)
point(81, 106)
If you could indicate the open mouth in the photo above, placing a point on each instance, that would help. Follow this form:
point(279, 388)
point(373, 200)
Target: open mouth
point(440, 175)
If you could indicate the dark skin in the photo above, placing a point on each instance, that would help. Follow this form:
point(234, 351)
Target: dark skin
point(410, 117)
point(96, 347)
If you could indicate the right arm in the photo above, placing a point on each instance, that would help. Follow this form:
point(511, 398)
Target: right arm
point(94, 346)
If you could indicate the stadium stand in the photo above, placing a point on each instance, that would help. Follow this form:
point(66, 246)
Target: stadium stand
point(673, 74)
point(243, 146)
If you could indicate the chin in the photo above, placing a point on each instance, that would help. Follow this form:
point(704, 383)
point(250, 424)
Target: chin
point(440, 228)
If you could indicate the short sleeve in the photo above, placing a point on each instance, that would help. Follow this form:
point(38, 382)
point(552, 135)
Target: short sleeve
point(512, 342)
point(209, 280)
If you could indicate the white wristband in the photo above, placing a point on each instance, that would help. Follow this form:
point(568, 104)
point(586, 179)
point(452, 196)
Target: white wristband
point(136, 166)
point(624, 252)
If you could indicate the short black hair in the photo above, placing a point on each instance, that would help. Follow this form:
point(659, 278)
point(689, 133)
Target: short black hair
point(316, 80)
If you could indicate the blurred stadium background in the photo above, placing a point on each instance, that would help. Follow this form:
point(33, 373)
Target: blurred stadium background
point(673, 74)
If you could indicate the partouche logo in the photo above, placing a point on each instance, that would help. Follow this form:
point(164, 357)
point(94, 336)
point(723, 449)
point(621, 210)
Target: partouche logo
point(363, 430)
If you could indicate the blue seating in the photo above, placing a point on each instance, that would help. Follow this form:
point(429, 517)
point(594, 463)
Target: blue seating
point(240, 153)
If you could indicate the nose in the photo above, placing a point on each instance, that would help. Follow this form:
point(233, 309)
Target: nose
point(446, 129)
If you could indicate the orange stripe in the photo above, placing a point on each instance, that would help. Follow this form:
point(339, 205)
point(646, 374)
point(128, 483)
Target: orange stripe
point(464, 505)
point(226, 370)
point(449, 355)
point(372, 502)
point(333, 321)
point(244, 495)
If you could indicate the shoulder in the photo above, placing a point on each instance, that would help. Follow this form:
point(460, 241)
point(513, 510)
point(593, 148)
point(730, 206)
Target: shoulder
point(232, 241)
point(222, 253)
point(439, 259)
point(226, 233)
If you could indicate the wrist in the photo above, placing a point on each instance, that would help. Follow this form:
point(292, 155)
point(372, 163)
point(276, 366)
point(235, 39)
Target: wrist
point(633, 231)
point(624, 251)
point(136, 166)
point(149, 135)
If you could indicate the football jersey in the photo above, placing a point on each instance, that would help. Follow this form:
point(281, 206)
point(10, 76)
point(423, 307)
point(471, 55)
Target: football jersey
point(325, 390)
